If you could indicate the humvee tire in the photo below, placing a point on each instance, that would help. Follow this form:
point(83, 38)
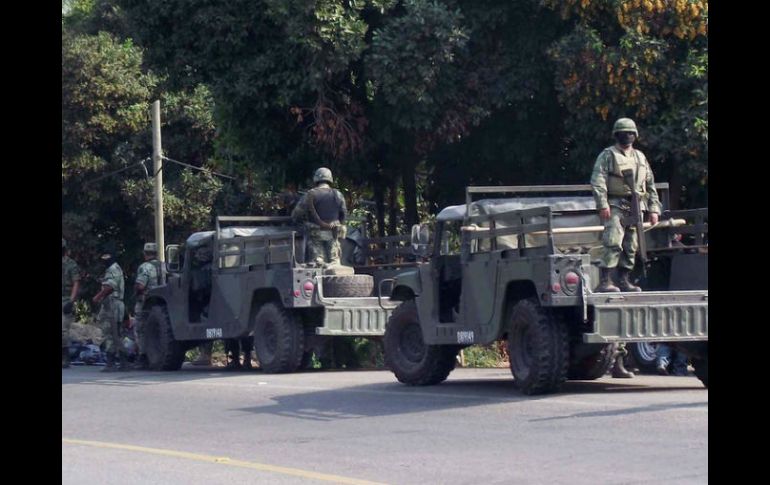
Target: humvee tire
point(538, 348)
point(163, 352)
point(406, 354)
point(278, 339)
point(594, 365)
point(701, 365)
point(348, 285)
point(644, 355)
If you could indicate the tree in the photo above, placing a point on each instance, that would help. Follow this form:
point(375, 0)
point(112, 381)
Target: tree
point(646, 60)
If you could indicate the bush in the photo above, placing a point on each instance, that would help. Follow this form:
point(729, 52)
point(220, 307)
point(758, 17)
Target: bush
point(493, 355)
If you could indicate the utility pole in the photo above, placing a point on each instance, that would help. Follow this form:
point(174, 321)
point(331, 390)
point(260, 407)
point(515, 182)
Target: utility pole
point(157, 163)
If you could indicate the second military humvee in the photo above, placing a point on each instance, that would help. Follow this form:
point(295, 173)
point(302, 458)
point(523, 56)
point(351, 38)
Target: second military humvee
point(237, 281)
point(523, 269)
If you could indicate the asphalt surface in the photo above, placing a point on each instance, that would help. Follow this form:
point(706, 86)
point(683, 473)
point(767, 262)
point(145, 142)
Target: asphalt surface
point(208, 426)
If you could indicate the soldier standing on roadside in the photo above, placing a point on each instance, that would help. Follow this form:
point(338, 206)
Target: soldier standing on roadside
point(110, 316)
point(70, 285)
point(147, 277)
point(323, 212)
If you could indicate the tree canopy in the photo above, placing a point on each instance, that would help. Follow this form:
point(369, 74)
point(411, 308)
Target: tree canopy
point(406, 101)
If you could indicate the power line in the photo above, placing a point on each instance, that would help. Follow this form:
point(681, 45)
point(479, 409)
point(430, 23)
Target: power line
point(198, 168)
point(141, 162)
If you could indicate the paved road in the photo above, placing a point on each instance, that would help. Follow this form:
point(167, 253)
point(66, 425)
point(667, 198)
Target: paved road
point(207, 426)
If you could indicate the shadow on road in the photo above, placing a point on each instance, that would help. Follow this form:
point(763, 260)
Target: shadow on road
point(384, 399)
point(93, 375)
point(619, 412)
point(390, 398)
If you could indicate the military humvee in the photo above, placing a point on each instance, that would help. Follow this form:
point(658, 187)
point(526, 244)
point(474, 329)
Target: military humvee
point(237, 281)
point(522, 269)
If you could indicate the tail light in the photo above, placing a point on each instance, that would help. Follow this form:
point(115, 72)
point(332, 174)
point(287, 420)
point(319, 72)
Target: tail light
point(307, 289)
point(571, 282)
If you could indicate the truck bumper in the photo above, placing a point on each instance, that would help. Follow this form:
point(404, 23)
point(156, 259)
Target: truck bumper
point(356, 316)
point(669, 316)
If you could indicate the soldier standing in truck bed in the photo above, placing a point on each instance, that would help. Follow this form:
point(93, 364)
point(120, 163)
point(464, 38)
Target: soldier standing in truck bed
point(613, 198)
point(323, 212)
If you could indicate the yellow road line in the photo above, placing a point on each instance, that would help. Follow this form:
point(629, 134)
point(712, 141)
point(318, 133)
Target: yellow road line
point(223, 460)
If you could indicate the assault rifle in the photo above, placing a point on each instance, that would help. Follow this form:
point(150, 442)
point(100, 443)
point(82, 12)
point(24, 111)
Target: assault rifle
point(636, 219)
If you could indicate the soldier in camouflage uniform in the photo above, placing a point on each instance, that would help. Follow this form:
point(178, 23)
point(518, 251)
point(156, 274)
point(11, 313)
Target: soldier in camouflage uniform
point(70, 285)
point(148, 276)
point(613, 200)
point(322, 210)
point(110, 316)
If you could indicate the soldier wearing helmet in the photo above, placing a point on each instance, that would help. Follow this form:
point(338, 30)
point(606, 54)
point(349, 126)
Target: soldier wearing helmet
point(70, 285)
point(148, 276)
point(613, 198)
point(110, 316)
point(323, 212)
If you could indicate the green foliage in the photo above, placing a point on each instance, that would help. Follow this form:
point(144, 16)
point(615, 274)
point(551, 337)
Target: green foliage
point(647, 60)
point(106, 95)
point(407, 101)
point(484, 356)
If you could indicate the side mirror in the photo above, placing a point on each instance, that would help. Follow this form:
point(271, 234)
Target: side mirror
point(420, 239)
point(172, 258)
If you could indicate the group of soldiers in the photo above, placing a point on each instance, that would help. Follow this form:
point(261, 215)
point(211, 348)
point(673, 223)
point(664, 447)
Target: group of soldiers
point(322, 211)
point(112, 307)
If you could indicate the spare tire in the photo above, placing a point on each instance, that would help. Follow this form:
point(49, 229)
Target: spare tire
point(352, 285)
point(644, 355)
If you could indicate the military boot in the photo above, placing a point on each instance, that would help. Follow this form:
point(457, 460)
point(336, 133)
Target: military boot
point(605, 281)
point(110, 359)
point(619, 370)
point(247, 361)
point(624, 283)
point(65, 357)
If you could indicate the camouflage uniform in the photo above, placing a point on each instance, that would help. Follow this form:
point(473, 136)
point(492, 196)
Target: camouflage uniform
point(148, 275)
point(110, 316)
point(619, 240)
point(70, 273)
point(323, 244)
point(610, 190)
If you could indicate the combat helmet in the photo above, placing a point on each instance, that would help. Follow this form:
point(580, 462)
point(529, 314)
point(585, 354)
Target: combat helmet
point(323, 174)
point(625, 124)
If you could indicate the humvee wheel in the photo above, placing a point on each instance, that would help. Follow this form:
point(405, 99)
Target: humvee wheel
point(163, 352)
point(593, 365)
point(406, 354)
point(644, 355)
point(278, 339)
point(538, 348)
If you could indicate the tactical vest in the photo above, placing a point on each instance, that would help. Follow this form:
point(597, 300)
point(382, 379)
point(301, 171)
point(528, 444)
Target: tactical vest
point(152, 282)
point(617, 162)
point(155, 264)
point(327, 204)
point(117, 274)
